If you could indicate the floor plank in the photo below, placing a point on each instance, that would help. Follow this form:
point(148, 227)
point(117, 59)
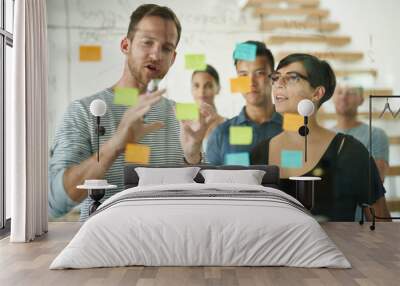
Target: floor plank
point(374, 255)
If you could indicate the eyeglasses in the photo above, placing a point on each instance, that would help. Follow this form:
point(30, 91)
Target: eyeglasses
point(288, 79)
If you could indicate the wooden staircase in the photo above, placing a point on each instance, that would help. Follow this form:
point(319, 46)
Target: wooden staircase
point(305, 22)
point(303, 3)
point(329, 40)
point(338, 56)
point(270, 25)
point(310, 12)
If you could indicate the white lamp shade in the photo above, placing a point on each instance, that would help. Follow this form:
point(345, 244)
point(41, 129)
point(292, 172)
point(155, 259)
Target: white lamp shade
point(305, 107)
point(98, 107)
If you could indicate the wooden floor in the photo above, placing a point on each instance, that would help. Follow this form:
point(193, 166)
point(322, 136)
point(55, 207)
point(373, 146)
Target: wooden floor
point(374, 255)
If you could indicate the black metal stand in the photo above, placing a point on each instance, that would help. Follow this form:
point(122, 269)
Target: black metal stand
point(305, 193)
point(364, 206)
point(374, 216)
point(96, 195)
point(100, 131)
point(361, 222)
point(305, 189)
point(303, 131)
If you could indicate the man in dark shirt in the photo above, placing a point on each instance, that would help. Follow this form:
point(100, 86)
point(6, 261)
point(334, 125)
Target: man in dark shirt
point(259, 112)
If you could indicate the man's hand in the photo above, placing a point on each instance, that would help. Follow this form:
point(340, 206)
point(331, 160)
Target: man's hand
point(132, 129)
point(193, 133)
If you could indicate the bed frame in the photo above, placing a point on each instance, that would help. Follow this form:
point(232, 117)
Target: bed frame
point(270, 179)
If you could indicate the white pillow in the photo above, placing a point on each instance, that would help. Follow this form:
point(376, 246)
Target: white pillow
point(248, 177)
point(163, 176)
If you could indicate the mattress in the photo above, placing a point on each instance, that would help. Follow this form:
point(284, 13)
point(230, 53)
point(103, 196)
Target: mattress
point(201, 225)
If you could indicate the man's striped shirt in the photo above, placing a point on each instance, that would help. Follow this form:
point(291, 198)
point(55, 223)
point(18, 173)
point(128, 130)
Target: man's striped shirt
point(76, 140)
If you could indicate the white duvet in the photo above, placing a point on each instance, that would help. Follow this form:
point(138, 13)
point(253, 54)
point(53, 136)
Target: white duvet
point(206, 230)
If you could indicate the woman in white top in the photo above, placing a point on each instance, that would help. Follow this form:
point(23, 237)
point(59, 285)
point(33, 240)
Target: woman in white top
point(205, 86)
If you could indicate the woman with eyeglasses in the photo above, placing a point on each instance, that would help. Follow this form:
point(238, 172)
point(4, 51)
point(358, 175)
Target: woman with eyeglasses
point(205, 87)
point(340, 160)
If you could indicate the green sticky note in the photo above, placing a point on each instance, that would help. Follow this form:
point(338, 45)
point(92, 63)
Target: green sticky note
point(291, 159)
point(126, 96)
point(242, 159)
point(195, 62)
point(240, 135)
point(187, 111)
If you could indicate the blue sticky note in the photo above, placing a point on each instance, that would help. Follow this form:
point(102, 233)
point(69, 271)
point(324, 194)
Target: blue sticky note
point(246, 52)
point(291, 159)
point(242, 159)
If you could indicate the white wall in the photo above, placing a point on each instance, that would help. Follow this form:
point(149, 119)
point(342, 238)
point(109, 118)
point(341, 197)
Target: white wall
point(373, 26)
point(213, 28)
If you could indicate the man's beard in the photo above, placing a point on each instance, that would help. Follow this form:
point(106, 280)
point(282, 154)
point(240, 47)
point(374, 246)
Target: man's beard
point(347, 113)
point(260, 100)
point(136, 74)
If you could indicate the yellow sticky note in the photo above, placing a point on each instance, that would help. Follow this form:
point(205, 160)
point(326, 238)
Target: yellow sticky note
point(292, 122)
point(241, 84)
point(126, 96)
point(195, 62)
point(240, 135)
point(187, 111)
point(90, 53)
point(137, 153)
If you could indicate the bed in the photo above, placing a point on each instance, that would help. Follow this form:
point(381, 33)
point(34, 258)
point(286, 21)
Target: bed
point(201, 224)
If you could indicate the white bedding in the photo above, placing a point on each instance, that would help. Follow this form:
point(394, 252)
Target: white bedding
point(189, 230)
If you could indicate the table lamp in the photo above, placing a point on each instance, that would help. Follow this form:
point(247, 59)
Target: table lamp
point(305, 108)
point(98, 108)
point(97, 188)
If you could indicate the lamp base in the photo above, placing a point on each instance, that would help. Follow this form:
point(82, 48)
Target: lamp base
point(305, 188)
point(96, 195)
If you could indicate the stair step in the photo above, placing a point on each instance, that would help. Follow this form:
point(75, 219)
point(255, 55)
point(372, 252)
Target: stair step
point(269, 25)
point(341, 56)
point(330, 40)
point(393, 204)
point(393, 171)
point(303, 3)
point(344, 73)
point(395, 140)
point(310, 12)
point(378, 92)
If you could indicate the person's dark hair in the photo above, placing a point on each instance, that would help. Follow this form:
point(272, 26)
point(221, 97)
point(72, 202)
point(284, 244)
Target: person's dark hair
point(152, 10)
point(211, 71)
point(261, 50)
point(319, 72)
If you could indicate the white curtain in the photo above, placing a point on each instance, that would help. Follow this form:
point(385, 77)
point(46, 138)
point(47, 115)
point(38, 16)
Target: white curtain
point(26, 117)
